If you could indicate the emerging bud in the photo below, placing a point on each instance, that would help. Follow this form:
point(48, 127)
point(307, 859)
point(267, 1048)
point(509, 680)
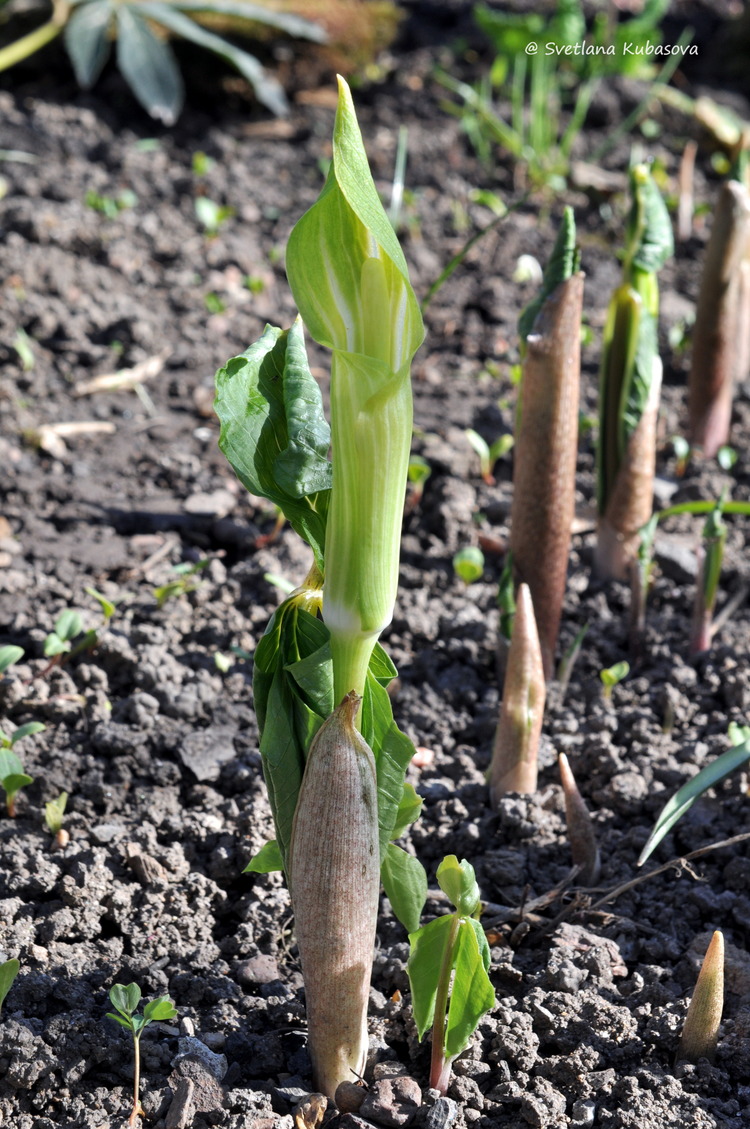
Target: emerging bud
point(583, 844)
point(701, 1031)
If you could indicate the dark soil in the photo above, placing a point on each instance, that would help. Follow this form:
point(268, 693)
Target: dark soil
point(156, 743)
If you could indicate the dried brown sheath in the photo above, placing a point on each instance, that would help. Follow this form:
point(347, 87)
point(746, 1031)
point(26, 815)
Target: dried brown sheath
point(721, 335)
point(545, 458)
point(514, 756)
point(581, 835)
point(334, 879)
point(701, 1031)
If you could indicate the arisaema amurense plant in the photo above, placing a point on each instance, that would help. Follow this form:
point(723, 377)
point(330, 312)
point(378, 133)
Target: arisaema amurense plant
point(630, 383)
point(125, 1000)
point(448, 971)
point(320, 675)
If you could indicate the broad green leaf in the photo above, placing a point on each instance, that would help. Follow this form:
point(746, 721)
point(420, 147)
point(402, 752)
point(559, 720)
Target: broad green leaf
point(392, 750)
point(69, 624)
point(273, 431)
point(405, 883)
point(156, 1011)
point(54, 645)
point(10, 655)
point(14, 783)
point(258, 13)
point(10, 763)
point(472, 994)
point(563, 263)
point(125, 998)
point(685, 796)
point(283, 763)
point(427, 946)
point(8, 972)
point(267, 89)
point(87, 40)
point(266, 860)
point(408, 811)
point(27, 730)
point(148, 66)
point(458, 882)
point(126, 1023)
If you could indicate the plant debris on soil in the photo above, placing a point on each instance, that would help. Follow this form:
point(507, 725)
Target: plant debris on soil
point(151, 730)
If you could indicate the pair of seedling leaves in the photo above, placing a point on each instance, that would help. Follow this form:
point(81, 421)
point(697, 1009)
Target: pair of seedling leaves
point(276, 437)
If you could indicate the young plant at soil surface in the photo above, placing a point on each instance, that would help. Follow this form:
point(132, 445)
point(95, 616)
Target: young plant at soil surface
point(452, 947)
point(581, 834)
point(630, 384)
point(8, 972)
point(700, 1033)
point(612, 676)
point(641, 568)
point(350, 281)
point(547, 437)
point(710, 557)
point(516, 747)
point(12, 776)
point(126, 1000)
point(54, 812)
point(721, 335)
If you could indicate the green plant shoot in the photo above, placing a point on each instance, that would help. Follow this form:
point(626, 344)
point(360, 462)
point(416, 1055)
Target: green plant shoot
point(711, 556)
point(468, 564)
point(451, 948)
point(125, 1000)
point(8, 972)
point(611, 676)
point(686, 796)
point(9, 655)
point(54, 812)
point(12, 776)
point(488, 453)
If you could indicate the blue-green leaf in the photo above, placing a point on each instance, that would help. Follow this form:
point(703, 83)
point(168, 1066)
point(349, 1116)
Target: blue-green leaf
point(258, 13)
point(87, 40)
point(148, 66)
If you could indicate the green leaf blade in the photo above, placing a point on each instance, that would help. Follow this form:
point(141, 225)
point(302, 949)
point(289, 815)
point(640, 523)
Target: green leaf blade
point(8, 972)
point(405, 884)
point(148, 66)
point(472, 994)
point(266, 860)
point(427, 947)
point(86, 38)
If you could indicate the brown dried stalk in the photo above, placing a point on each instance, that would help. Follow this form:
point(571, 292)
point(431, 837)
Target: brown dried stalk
point(581, 834)
point(514, 756)
point(545, 458)
point(721, 336)
point(701, 1031)
point(334, 879)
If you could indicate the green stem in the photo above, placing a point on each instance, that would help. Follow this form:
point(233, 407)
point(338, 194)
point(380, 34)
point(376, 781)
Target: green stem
point(439, 1066)
point(351, 658)
point(29, 44)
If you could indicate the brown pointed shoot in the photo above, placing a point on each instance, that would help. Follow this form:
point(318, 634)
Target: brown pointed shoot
point(545, 458)
point(721, 335)
point(514, 756)
point(583, 844)
point(701, 1031)
point(334, 878)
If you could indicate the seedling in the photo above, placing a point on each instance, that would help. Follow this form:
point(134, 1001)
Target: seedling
point(202, 164)
point(9, 655)
point(12, 776)
point(107, 606)
point(22, 345)
point(111, 206)
point(468, 564)
point(488, 455)
point(31, 727)
point(611, 676)
point(183, 584)
point(711, 556)
point(686, 796)
point(726, 457)
point(568, 661)
point(211, 215)
point(700, 1033)
point(350, 281)
point(54, 812)
point(8, 972)
point(547, 437)
point(681, 449)
point(581, 834)
point(68, 626)
point(630, 383)
point(126, 1000)
point(417, 475)
point(452, 947)
point(516, 747)
point(641, 569)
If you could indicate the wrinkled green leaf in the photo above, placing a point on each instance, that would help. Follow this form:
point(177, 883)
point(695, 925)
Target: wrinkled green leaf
point(427, 948)
point(457, 881)
point(274, 432)
point(87, 40)
point(563, 263)
point(8, 972)
point(266, 860)
point(472, 994)
point(405, 883)
point(148, 66)
point(685, 796)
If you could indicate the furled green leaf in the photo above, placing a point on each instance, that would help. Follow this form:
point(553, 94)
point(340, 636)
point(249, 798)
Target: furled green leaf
point(268, 90)
point(274, 432)
point(563, 263)
point(54, 811)
point(157, 1011)
point(87, 40)
point(9, 655)
point(266, 860)
point(472, 994)
point(405, 884)
point(685, 796)
point(458, 882)
point(8, 972)
point(125, 998)
point(427, 949)
point(650, 237)
point(148, 66)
